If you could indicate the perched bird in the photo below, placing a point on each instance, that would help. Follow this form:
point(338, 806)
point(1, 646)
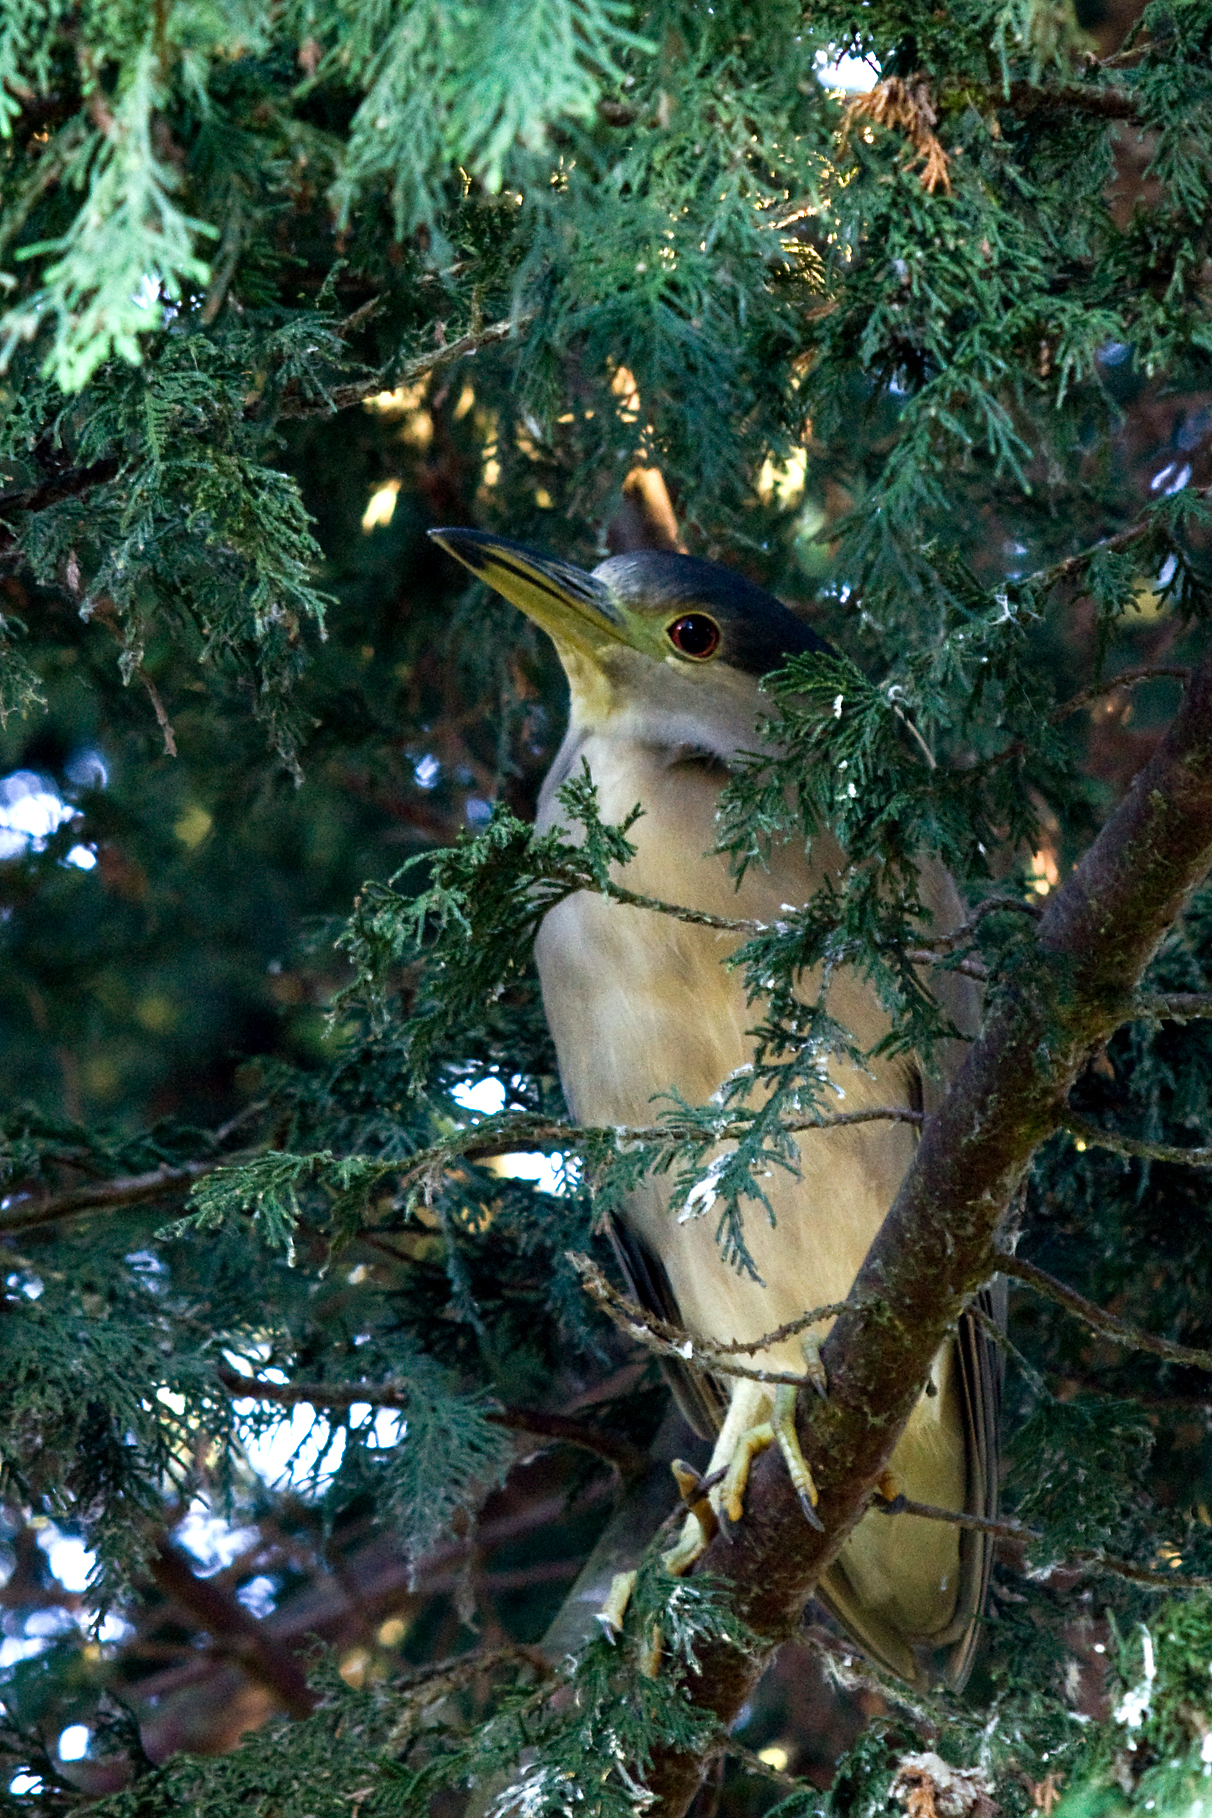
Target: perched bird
point(664, 654)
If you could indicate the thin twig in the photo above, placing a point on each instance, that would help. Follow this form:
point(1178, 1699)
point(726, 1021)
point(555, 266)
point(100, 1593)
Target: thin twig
point(475, 1143)
point(1017, 747)
point(1126, 677)
point(1087, 1558)
point(635, 899)
point(161, 712)
point(856, 1669)
point(998, 1337)
point(478, 1143)
point(754, 1762)
point(27, 1214)
point(1090, 1560)
point(1175, 1006)
point(343, 397)
point(106, 613)
point(969, 968)
point(1086, 1131)
point(246, 1115)
point(1107, 1325)
point(917, 956)
point(665, 1339)
point(734, 924)
point(1046, 578)
point(1007, 1527)
point(625, 1136)
point(627, 1459)
point(224, 268)
point(1128, 57)
point(991, 905)
point(911, 729)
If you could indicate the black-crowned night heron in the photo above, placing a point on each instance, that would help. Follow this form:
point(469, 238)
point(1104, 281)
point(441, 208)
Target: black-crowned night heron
point(664, 654)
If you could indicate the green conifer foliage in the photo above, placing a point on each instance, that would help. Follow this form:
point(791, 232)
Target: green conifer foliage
point(313, 1400)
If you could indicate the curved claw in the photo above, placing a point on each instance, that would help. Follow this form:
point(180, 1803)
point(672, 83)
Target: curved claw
point(810, 1514)
point(810, 1347)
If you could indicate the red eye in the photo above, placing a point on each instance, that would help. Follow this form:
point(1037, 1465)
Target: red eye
point(695, 635)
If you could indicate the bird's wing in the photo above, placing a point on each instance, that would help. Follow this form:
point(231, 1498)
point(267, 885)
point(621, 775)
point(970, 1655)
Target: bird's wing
point(699, 1397)
point(946, 1654)
point(981, 1362)
point(982, 1368)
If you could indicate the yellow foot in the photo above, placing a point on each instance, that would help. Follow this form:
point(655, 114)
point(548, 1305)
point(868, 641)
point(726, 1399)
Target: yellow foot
point(614, 1609)
point(728, 1498)
point(888, 1486)
point(739, 1444)
point(649, 1661)
point(692, 1544)
point(700, 1525)
point(780, 1429)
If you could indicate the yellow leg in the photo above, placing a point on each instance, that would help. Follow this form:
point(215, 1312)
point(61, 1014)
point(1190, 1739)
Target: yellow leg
point(750, 1443)
point(614, 1609)
point(779, 1428)
point(691, 1545)
point(649, 1661)
point(700, 1525)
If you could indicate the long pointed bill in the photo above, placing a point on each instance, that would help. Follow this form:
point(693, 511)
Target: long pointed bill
point(572, 607)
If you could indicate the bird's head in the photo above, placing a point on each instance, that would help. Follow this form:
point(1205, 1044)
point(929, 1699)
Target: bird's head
point(663, 648)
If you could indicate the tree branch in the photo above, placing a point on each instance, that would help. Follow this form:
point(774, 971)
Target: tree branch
point(970, 968)
point(1107, 1325)
point(1069, 566)
point(1175, 1006)
point(343, 397)
point(627, 1459)
point(1087, 1131)
point(937, 1244)
point(664, 1339)
point(1085, 1559)
point(928, 954)
point(228, 1621)
point(1090, 1560)
point(1177, 672)
point(1069, 98)
point(104, 1196)
point(1006, 1529)
point(991, 905)
point(478, 1142)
